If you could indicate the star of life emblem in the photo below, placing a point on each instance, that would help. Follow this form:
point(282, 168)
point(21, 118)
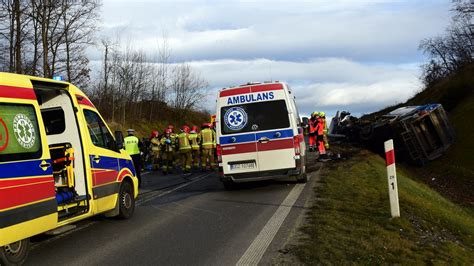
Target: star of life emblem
point(235, 118)
point(24, 131)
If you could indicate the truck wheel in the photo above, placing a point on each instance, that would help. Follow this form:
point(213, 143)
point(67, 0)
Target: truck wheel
point(126, 201)
point(229, 185)
point(15, 253)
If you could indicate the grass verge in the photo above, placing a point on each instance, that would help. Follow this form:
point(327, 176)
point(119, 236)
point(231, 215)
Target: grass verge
point(350, 220)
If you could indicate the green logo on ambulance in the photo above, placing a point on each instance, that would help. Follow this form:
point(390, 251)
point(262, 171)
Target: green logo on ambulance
point(24, 131)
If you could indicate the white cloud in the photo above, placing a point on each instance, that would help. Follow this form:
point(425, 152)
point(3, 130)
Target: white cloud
point(323, 84)
point(342, 54)
point(283, 30)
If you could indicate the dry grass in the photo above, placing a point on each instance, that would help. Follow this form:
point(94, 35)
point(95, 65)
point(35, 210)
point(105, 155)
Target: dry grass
point(353, 225)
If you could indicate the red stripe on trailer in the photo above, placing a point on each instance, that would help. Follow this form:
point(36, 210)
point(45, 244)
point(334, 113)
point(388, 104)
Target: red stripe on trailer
point(15, 196)
point(276, 145)
point(17, 92)
point(390, 157)
point(239, 148)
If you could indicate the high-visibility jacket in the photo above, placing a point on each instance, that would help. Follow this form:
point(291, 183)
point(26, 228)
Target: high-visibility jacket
point(320, 126)
point(194, 139)
point(208, 138)
point(155, 144)
point(168, 144)
point(131, 145)
point(183, 142)
point(325, 126)
point(312, 126)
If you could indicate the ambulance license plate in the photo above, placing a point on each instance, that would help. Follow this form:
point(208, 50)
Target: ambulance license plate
point(241, 166)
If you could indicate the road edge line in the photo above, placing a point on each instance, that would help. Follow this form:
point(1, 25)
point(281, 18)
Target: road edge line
point(260, 244)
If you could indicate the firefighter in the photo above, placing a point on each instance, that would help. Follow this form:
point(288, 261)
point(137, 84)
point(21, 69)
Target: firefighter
point(195, 140)
point(208, 142)
point(185, 149)
point(312, 132)
point(133, 145)
point(325, 136)
point(173, 136)
point(155, 147)
point(167, 148)
point(214, 150)
point(320, 136)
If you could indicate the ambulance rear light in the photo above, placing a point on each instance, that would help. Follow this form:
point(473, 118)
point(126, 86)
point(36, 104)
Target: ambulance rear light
point(296, 144)
point(219, 153)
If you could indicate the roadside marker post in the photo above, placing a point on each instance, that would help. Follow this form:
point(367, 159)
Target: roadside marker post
point(392, 178)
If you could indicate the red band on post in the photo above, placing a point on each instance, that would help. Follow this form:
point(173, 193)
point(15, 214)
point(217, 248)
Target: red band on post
point(390, 157)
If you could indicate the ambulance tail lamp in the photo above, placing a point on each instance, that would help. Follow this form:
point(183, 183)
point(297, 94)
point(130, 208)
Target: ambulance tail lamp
point(219, 153)
point(296, 144)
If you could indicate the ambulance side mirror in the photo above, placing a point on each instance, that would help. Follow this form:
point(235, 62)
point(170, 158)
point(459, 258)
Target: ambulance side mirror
point(119, 139)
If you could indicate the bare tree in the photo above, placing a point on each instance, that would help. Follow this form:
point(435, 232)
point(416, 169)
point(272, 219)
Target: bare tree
point(455, 49)
point(187, 89)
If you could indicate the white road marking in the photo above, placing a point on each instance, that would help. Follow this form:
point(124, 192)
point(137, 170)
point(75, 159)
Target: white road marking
point(157, 194)
point(255, 251)
point(138, 203)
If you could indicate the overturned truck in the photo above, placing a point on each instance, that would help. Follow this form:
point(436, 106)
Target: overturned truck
point(421, 133)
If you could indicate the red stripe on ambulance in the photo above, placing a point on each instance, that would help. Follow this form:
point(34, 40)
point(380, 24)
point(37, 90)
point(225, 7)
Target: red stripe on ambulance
point(239, 148)
point(20, 195)
point(17, 92)
point(251, 89)
point(276, 145)
point(4, 183)
point(84, 101)
point(102, 176)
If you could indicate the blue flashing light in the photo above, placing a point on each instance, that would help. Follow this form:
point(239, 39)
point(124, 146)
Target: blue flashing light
point(58, 78)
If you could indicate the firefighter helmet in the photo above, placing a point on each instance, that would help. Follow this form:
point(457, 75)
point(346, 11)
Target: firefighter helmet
point(168, 131)
point(185, 129)
point(154, 133)
point(194, 129)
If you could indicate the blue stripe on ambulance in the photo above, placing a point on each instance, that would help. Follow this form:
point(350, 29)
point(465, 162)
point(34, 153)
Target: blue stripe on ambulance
point(287, 133)
point(112, 163)
point(251, 137)
point(24, 168)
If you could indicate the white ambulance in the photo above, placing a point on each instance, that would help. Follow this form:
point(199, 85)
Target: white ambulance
point(259, 134)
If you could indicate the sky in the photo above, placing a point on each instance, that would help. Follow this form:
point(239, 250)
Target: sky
point(354, 55)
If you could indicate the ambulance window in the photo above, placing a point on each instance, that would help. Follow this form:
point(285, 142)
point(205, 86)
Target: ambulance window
point(19, 133)
point(100, 135)
point(53, 120)
point(254, 117)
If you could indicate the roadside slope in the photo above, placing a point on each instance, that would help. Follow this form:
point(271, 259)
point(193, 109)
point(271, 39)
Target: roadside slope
point(350, 220)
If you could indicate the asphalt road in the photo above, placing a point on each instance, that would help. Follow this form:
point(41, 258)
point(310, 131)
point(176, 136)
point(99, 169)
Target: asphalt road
point(184, 221)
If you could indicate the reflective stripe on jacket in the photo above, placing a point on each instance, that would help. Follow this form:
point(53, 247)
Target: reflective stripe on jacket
point(183, 141)
point(155, 144)
point(208, 138)
point(194, 139)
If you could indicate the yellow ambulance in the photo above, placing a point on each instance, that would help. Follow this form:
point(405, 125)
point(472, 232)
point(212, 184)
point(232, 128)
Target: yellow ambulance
point(59, 163)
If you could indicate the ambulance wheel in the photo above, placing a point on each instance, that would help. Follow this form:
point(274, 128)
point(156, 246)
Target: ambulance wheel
point(15, 253)
point(303, 178)
point(126, 201)
point(229, 185)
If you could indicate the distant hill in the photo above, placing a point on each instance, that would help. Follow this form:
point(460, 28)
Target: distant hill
point(159, 121)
